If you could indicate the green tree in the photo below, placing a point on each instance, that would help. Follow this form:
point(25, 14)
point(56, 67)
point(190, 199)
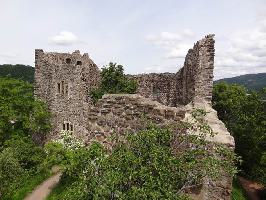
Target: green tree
point(21, 117)
point(245, 116)
point(20, 113)
point(113, 81)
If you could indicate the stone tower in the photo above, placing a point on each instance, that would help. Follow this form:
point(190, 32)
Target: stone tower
point(63, 81)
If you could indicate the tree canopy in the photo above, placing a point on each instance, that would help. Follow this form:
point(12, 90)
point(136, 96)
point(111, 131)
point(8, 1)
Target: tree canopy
point(113, 81)
point(245, 116)
point(20, 113)
point(23, 72)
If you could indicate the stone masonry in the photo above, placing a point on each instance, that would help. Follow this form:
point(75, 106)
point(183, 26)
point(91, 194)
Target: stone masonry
point(63, 81)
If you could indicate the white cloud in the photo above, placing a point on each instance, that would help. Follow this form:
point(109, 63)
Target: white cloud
point(240, 53)
point(175, 45)
point(64, 38)
point(243, 52)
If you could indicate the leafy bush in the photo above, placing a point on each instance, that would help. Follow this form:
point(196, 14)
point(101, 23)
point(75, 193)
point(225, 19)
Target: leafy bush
point(245, 117)
point(113, 81)
point(60, 150)
point(29, 155)
point(10, 170)
point(21, 168)
point(145, 167)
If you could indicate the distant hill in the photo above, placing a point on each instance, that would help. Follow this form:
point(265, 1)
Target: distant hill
point(250, 81)
point(24, 72)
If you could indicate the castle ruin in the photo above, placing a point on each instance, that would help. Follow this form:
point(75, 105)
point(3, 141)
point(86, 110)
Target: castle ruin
point(63, 81)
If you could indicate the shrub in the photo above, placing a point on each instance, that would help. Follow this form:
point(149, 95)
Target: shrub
point(29, 155)
point(10, 171)
point(146, 166)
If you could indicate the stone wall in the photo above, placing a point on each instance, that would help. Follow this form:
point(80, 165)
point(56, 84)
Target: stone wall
point(122, 113)
point(194, 79)
point(63, 81)
point(157, 87)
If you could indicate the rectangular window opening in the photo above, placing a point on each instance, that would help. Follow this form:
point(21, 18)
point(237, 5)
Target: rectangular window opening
point(64, 127)
point(71, 127)
point(58, 88)
point(67, 126)
point(66, 88)
point(62, 89)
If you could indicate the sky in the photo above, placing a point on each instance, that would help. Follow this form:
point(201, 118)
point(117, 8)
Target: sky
point(142, 35)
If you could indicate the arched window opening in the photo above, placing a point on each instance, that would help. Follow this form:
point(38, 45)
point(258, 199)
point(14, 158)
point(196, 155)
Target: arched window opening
point(79, 62)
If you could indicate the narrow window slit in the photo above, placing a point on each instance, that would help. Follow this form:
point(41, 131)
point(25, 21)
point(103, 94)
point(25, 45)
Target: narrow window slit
point(63, 87)
point(58, 87)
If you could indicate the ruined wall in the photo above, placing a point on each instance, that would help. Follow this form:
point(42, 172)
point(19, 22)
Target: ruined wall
point(222, 187)
point(122, 113)
point(63, 81)
point(77, 74)
point(157, 87)
point(194, 79)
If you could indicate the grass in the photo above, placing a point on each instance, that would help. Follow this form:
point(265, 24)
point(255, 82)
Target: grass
point(238, 192)
point(29, 184)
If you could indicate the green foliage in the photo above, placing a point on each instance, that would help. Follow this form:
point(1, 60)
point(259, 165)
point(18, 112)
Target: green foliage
point(55, 154)
point(27, 184)
point(238, 193)
point(144, 167)
point(60, 151)
point(21, 167)
point(29, 155)
point(23, 72)
point(245, 117)
point(113, 81)
point(20, 113)
point(21, 160)
point(10, 170)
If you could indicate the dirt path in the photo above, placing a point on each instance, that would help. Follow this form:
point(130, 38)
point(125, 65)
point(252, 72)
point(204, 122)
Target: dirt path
point(44, 189)
point(251, 188)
